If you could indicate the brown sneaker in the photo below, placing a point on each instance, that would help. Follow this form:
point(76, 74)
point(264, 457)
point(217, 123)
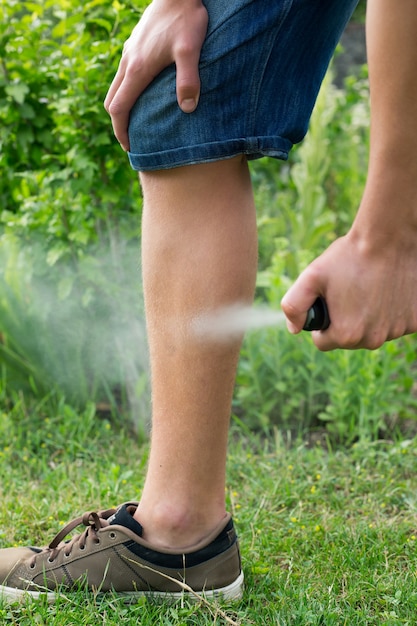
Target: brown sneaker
point(110, 555)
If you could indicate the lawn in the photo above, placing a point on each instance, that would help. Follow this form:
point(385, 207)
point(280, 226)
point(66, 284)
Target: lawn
point(328, 536)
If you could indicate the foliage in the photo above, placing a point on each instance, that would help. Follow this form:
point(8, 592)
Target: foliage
point(71, 318)
point(283, 380)
point(70, 205)
point(64, 172)
point(87, 343)
point(360, 11)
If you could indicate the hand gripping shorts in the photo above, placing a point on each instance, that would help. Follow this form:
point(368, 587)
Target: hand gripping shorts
point(261, 67)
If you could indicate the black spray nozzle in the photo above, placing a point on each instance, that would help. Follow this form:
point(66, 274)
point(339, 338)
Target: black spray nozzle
point(317, 316)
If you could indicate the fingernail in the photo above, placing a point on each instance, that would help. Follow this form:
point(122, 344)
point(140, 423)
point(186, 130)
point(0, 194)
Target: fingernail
point(188, 105)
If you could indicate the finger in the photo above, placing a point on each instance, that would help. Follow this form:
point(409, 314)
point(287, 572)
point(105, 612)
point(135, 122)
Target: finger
point(348, 334)
point(297, 301)
point(115, 84)
point(121, 71)
point(326, 342)
point(110, 106)
point(122, 96)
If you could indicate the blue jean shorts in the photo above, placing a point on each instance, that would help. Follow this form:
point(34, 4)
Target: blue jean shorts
point(261, 67)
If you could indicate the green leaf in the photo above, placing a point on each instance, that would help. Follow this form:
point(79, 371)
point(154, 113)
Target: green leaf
point(17, 91)
point(104, 23)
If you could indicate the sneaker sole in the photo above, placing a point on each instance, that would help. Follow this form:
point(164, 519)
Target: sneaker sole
point(232, 592)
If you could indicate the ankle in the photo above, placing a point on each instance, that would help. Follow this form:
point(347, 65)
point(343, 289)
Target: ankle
point(166, 527)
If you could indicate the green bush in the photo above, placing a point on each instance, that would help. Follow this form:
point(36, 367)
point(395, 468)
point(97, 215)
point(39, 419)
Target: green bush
point(70, 307)
point(64, 174)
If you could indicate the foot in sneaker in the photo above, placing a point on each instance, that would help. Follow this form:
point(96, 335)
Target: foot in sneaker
point(111, 555)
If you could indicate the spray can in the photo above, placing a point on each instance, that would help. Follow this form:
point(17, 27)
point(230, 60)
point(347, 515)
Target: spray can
point(317, 316)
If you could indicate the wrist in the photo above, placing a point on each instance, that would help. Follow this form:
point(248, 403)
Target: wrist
point(387, 215)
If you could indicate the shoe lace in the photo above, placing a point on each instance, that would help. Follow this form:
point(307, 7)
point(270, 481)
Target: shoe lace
point(93, 521)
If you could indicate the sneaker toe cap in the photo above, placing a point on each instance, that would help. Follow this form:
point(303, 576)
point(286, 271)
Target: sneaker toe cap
point(10, 558)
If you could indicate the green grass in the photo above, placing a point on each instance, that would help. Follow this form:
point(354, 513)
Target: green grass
point(328, 537)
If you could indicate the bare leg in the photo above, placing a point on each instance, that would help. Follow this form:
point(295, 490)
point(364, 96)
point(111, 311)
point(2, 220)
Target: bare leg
point(199, 248)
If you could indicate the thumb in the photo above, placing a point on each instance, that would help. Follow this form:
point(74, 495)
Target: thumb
point(188, 82)
point(298, 300)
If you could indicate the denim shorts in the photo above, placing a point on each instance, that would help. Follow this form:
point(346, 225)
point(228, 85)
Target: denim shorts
point(261, 67)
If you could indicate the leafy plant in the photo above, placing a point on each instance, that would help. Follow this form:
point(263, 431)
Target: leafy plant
point(283, 380)
point(63, 171)
point(70, 310)
point(88, 342)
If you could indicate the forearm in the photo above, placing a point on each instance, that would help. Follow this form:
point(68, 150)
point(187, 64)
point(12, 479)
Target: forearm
point(391, 195)
point(392, 57)
point(368, 277)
